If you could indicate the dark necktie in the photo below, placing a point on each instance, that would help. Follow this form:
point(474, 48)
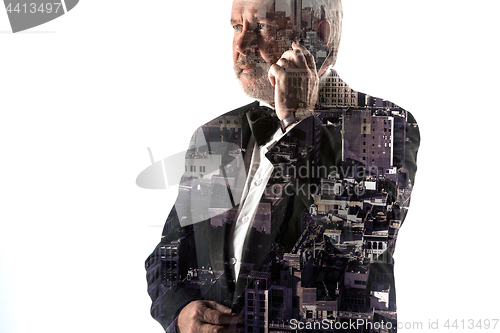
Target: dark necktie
point(263, 123)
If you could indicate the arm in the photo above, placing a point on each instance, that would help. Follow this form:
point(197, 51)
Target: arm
point(166, 291)
point(177, 304)
point(176, 300)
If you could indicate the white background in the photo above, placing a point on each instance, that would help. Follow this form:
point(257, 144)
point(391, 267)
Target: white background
point(83, 96)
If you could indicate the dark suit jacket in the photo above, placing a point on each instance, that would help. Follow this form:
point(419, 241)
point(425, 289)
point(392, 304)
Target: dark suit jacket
point(193, 259)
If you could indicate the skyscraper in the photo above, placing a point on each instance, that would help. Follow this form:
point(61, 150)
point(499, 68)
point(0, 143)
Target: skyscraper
point(296, 15)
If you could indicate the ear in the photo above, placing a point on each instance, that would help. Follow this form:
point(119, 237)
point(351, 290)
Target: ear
point(324, 31)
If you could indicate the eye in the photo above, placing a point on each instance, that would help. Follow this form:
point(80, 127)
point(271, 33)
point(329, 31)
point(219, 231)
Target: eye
point(238, 27)
point(264, 26)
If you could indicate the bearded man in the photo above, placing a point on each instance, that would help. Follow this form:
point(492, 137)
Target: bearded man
point(289, 209)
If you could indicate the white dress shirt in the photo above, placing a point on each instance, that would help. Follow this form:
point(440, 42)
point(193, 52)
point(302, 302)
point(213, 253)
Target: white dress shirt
point(259, 172)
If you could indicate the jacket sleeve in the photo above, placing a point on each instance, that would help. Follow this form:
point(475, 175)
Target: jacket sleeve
point(169, 267)
point(167, 274)
point(174, 266)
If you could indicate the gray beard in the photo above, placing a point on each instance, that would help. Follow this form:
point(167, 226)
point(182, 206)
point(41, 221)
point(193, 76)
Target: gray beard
point(260, 88)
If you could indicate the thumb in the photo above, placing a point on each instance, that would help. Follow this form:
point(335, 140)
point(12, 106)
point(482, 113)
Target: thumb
point(271, 76)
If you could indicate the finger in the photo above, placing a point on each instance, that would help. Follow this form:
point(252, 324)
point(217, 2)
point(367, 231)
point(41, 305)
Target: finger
point(294, 59)
point(219, 307)
point(283, 63)
point(276, 74)
point(304, 54)
point(215, 317)
point(208, 328)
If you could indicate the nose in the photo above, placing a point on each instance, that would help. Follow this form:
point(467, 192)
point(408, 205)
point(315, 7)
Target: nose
point(247, 40)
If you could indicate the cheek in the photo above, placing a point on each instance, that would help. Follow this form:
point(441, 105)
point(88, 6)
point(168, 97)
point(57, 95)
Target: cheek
point(270, 50)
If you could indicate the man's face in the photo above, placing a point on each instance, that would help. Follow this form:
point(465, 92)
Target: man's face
point(259, 41)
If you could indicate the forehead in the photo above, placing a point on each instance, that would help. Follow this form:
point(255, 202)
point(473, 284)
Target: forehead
point(251, 9)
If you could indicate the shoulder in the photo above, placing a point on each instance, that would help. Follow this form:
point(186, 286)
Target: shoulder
point(228, 127)
point(236, 113)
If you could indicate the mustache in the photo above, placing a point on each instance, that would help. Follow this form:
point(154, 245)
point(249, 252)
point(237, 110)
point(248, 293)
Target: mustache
point(250, 60)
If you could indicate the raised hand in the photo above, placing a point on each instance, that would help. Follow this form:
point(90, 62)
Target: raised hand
point(295, 81)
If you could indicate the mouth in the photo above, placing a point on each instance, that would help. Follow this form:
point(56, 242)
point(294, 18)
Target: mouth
point(248, 68)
